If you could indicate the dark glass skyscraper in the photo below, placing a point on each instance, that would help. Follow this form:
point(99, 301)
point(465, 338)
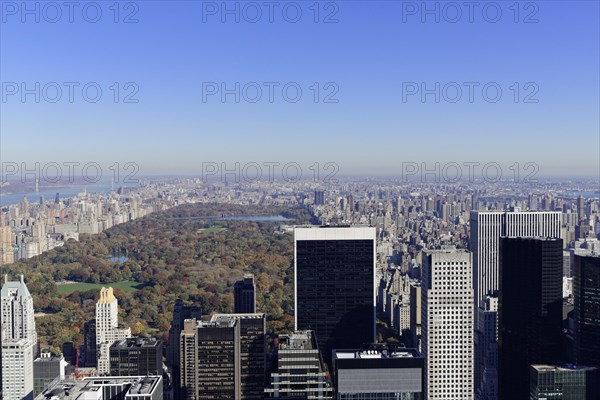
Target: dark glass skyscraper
point(586, 294)
point(244, 295)
point(335, 285)
point(529, 310)
point(181, 312)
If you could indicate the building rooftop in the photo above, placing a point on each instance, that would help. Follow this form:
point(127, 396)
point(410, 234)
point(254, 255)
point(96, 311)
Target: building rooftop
point(106, 296)
point(375, 354)
point(136, 342)
point(92, 387)
point(299, 340)
point(565, 367)
point(18, 285)
point(225, 319)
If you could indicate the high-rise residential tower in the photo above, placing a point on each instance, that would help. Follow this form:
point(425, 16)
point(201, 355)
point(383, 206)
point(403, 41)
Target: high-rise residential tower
point(335, 285)
point(107, 328)
point(447, 324)
point(244, 295)
point(19, 340)
point(529, 311)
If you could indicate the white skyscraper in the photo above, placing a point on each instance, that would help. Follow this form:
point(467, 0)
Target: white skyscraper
point(447, 324)
point(486, 229)
point(107, 328)
point(19, 340)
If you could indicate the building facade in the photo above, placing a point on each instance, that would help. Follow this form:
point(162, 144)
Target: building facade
point(47, 368)
point(299, 369)
point(586, 296)
point(566, 382)
point(210, 360)
point(529, 311)
point(244, 295)
point(335, 285)
point(447, 324)
point(224, 358)
point(136, 357)
point(486, 229)
point(181, 312)
point(486, 350)
point(107, 328)
point(19, 340)
point(378, 374)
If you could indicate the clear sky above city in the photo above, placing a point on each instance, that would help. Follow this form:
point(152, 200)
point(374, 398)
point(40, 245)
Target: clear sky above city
point(382, 82)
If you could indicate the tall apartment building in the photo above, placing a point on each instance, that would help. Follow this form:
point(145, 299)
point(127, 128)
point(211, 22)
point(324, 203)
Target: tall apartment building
point(586, 296)
point(486, 229)
point(299, 370)
point(244, 295)
point(107, 328)
point(7, 254)
point(19, 340)
point(224, 357)
point(335, 285)
point(447, 324)
point(529, 311)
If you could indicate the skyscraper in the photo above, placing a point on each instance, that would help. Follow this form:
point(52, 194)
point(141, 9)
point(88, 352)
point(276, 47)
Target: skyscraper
point(486, 350)
point(586, 296)
point(244, 295)
point(19, 340)
point(252, 350)
point(486, 229)
point(447, 324)
point(210, 359)
point(224, 358)
point(581, 208)
point(415, 315)
point(107, 328)
point(181, 312)
point(335, 285)
point(319, 197)
point(529, 311)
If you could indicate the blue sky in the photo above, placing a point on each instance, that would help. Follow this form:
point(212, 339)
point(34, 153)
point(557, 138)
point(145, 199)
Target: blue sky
point(370, 57)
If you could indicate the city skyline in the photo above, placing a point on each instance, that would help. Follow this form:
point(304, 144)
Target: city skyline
point(373, 56)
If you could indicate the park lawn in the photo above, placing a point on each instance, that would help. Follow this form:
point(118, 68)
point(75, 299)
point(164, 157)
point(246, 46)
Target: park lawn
point(212, 229)
point(128, 286)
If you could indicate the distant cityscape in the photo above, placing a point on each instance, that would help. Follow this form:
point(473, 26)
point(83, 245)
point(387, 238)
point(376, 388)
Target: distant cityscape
point(490, 291)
